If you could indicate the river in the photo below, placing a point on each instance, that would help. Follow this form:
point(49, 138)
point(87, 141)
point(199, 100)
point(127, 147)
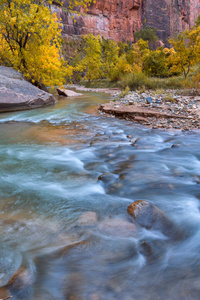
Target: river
point(67, 177)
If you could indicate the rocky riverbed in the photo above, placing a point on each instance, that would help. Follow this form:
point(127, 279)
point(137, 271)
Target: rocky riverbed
point(168, 109)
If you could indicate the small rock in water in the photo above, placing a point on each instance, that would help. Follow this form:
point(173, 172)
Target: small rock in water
point(4, 293)
point(108, 177)
point(151, 217)
point(117, 227)
point(88, 218)
point(196, 178)
point(10, 261)
point(153, 249)
point(24, 277)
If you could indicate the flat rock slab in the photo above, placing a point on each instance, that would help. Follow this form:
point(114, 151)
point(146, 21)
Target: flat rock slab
point(135, 112)
point(68, 93)
point(16, 93)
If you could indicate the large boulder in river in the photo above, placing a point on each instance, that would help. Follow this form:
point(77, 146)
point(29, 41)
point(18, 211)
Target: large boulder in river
point(151, 217)
point(16, 93)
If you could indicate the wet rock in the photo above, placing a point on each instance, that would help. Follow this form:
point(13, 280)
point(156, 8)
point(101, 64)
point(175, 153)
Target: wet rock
point(153, 250)
point(16, 93)
point(151, 217)
point(133, 141)
point(72, 290)
point(107, 177)
point(10, 262)
point(24, 277)
point(196, 179)
point(4, 293)
point(88, 218)
point(68, 93)
point(117, 227)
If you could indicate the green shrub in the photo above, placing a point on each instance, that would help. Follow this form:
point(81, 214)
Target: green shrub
point(134, 81)
point(141, 81)
point(155, 64)
point(124, 92)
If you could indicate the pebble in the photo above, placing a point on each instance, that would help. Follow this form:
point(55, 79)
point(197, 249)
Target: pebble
point(186, 106)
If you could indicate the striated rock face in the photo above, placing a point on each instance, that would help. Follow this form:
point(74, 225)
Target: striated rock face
point(119, 19)
point(170, 16)
point(112, 19)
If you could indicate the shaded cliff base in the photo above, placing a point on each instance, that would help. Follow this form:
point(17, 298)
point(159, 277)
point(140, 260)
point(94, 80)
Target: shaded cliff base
point(165, 109)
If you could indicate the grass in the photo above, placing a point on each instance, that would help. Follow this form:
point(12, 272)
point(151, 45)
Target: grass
point(99, 83)
point(141, 81)
point(138, 81)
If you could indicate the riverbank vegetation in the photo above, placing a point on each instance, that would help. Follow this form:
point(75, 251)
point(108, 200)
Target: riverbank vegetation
point(136, 65)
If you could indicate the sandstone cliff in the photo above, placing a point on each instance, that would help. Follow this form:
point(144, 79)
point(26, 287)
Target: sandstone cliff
point(119, 19)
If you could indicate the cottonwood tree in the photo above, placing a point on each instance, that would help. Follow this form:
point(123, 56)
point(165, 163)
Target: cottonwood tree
point(187, 51)
point(30, 40)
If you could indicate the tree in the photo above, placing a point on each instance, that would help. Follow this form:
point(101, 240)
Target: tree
point(147, 34)
point(30, 40)
point(110, 57)
point(187, 51)
point(91, 64)
point(155, 63)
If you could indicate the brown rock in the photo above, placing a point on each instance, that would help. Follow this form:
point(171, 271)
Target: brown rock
point(151, 217)
point(67, 93)
point(140, 119)
point(23, 278)
point(4, 293)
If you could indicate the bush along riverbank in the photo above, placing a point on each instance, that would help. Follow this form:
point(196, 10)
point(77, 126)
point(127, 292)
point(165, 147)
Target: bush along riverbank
point(169, 109)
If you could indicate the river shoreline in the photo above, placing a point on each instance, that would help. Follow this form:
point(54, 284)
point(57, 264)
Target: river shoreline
point(161, 109)
point(165, 110)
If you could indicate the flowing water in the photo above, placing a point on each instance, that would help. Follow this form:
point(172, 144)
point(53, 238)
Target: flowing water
point(67, 177)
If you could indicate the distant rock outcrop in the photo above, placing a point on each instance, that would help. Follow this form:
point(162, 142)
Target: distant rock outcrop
point(16, 93)
point(119, 19)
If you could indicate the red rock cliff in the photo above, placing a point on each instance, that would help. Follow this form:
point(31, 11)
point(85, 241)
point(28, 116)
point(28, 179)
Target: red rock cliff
point(119, 19)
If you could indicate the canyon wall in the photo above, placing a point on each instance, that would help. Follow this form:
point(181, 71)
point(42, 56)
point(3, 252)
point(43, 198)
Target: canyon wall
point(119, 19)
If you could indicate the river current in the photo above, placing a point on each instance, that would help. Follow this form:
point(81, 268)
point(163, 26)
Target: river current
point(67, 176)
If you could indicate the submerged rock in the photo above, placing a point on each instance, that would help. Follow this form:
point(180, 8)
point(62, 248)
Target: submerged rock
point(68, 93)
point(4, 293)
point(153, 250)
point(24, 277)
point(10, 261)
point(87, 218)
point(16, 93)
point(151, 217)
point(117, 227)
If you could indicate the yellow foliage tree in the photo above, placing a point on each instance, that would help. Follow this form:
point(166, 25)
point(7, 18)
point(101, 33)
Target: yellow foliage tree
point(91, 64)
point(140, 50)
point(110, 57)
point(30, 40)
point(186, 54)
